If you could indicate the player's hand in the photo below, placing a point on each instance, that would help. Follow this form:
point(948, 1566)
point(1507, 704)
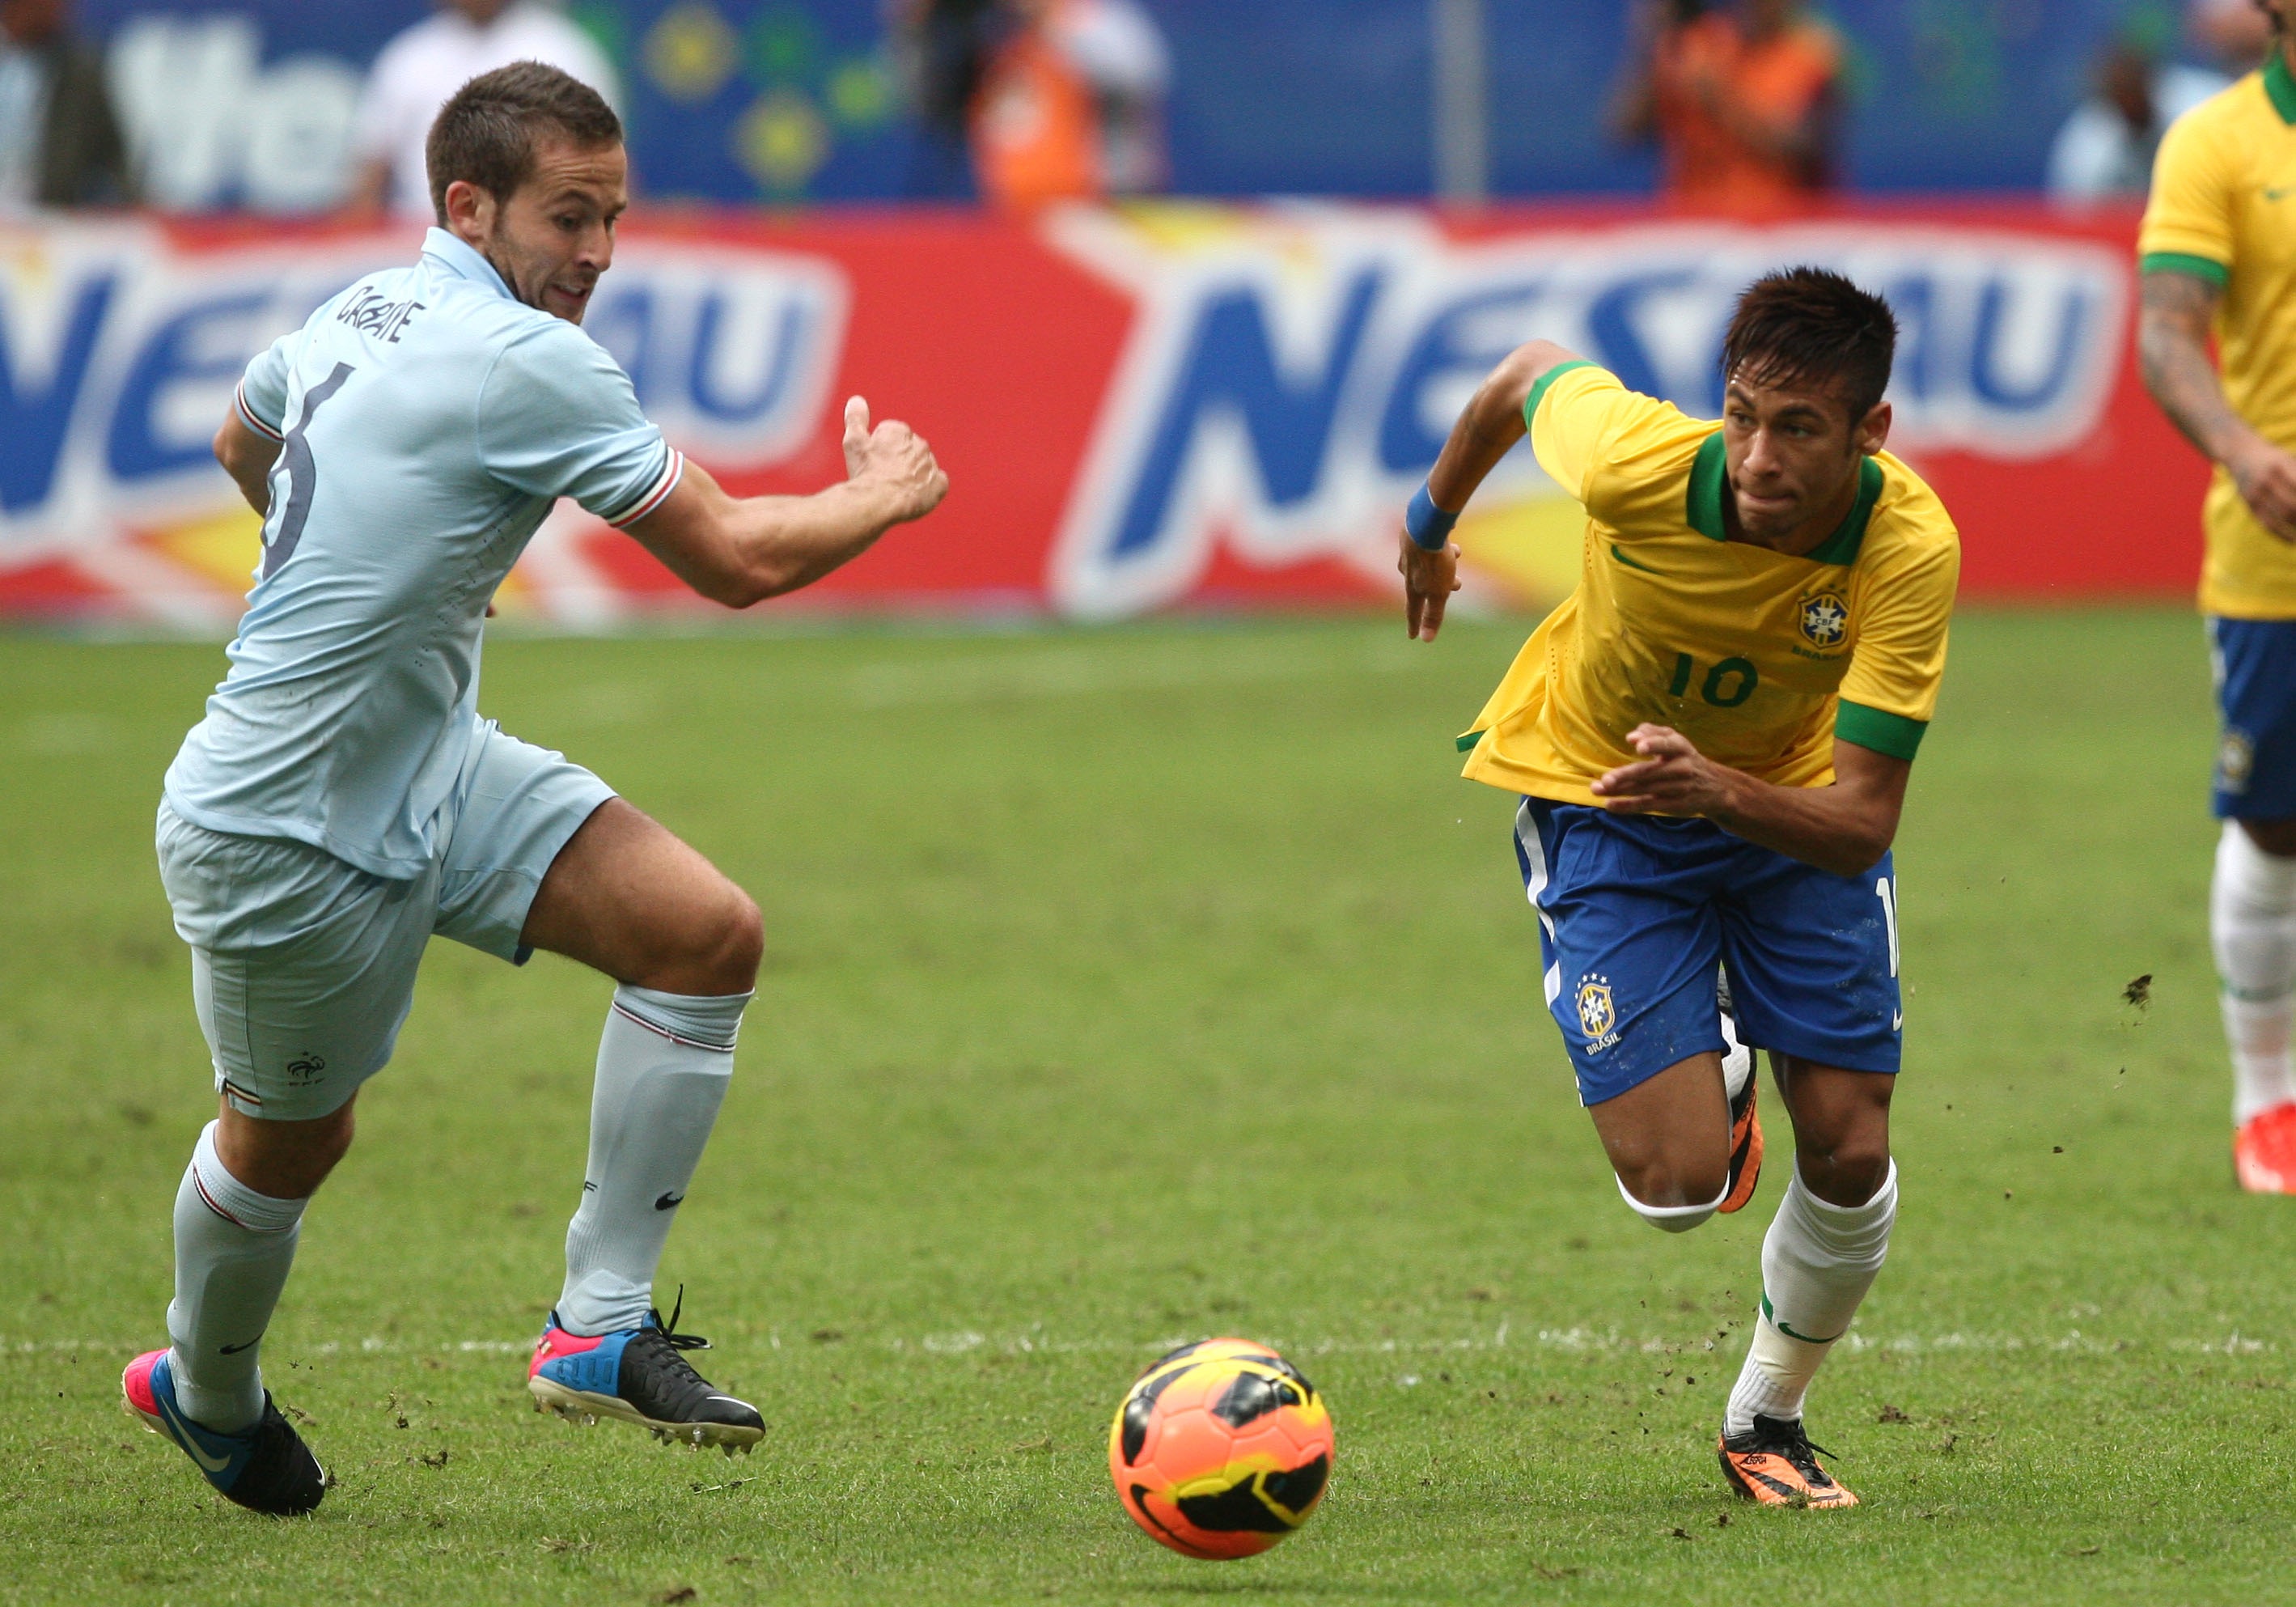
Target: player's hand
point(1429, 580)
point(2265, 479)
point(894, 457)
point(1672, 777)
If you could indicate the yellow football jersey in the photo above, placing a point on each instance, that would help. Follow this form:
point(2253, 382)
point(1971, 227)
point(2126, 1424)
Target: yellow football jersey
point(2224, 209)
point(1760, 659)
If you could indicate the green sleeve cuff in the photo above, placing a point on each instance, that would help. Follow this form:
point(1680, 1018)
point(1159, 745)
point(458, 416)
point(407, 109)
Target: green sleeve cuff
point(1466, 741)
point(1883, 732)
point(1542, 384)
point(2183, 262)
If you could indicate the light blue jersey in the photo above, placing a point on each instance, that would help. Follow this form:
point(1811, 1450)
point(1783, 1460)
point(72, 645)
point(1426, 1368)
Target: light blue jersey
point(428, 420)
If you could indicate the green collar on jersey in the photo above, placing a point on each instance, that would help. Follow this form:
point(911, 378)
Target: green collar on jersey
point(2279, 83)
point(1709, 481)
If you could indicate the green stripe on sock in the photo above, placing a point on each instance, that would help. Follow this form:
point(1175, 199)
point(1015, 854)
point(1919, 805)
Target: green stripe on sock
point(1770, 1312)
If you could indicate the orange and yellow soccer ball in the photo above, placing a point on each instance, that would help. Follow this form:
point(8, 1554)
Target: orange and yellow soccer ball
point(1220, 1450)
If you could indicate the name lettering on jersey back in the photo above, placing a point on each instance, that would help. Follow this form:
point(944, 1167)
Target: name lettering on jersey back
point(369, 314)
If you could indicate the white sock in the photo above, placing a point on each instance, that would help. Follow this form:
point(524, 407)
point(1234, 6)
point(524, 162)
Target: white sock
point(1818, 1260)
point(1672, 1218)
point(233, 1249)
point(2252, 926)
point(663, 1064)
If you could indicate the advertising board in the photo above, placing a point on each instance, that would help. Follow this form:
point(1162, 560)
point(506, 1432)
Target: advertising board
point(1140, 409)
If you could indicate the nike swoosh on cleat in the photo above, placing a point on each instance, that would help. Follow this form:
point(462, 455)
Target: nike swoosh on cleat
point(179, 1430)
point(670, 1203)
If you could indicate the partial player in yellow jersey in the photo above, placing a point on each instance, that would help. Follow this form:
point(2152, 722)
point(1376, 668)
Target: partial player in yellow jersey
point(1712, 736)
point(2218, 250)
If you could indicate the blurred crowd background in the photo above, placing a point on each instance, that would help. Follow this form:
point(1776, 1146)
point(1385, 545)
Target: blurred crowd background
point(318, 106)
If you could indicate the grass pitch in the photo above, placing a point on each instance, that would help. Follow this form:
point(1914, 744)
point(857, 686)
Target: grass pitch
point(1140, 985)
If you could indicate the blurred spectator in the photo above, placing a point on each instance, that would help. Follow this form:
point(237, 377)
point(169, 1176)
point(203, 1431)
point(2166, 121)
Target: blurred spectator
point(60, 144)
point(2234, 35)
point(419, 69)
point(2105, 147)
point(1072, 105)
point(946, 46)
point(1743, 99)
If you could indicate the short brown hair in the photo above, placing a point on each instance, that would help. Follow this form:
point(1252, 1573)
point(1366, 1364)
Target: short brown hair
point(486, 134)
point(1811, 324)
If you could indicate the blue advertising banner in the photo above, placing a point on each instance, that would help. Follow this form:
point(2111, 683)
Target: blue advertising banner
point(247, 102)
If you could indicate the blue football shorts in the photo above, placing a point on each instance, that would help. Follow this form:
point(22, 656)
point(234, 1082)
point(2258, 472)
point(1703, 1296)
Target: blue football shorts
point(303, 967)
point(1636, 913)
point(2254, 663)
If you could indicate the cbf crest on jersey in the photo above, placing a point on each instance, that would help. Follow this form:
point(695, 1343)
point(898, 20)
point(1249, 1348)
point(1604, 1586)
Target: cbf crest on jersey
point(1824, 619)
point(1597, 1016)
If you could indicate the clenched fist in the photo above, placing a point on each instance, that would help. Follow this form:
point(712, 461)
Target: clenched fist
point(894, 457)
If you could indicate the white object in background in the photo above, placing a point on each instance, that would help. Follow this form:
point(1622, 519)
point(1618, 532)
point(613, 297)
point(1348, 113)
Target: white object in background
point(1463, 145)
point(423, 67)
point(2096, 155)
point(208, 126)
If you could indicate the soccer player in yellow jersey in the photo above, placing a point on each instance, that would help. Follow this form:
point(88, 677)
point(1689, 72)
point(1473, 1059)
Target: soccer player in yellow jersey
point(2219, 248)
point(1712, 736)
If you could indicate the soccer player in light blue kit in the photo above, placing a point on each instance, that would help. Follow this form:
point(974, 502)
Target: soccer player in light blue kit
point(343, 800)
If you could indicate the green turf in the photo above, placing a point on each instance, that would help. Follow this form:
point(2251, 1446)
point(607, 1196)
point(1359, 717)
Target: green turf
point(1131, 985)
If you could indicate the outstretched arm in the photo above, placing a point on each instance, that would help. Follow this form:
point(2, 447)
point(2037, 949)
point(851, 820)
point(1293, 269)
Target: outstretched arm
point(247, 457)
point(1843, 829)
point(1491, 422)
point(2172, 349)
point(741, 551)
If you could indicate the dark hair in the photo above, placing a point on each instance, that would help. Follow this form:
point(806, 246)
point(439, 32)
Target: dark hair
point(486, 134)
point(1811, 324)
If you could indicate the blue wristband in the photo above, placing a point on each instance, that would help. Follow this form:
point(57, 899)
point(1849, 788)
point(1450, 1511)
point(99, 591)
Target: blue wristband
point(1427, 525)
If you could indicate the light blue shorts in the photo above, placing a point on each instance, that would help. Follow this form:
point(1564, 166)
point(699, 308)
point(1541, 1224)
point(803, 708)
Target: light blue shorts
point(303, 967)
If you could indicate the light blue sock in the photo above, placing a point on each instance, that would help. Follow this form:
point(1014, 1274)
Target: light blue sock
point(663, 1064)
point(233, 1248)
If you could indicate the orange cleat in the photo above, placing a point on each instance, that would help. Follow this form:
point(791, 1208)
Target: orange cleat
point(1746, 1145)
point(2264, 1152)
point(1775, 1464)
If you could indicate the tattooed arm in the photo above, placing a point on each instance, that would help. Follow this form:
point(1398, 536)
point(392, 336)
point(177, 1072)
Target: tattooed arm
point(2172, 349)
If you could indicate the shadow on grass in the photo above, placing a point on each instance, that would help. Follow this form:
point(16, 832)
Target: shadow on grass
point(1235, 1585)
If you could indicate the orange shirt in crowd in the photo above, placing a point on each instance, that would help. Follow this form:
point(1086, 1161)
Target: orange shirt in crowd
point(1035, 129)
point(1775, 81)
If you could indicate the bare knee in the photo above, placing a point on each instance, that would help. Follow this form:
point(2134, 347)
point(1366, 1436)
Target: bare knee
point(1847, 1174)
point(2274, 836)
point(716, 951)
point(741, 944)
point(1672, 1181)
point(284, 1159)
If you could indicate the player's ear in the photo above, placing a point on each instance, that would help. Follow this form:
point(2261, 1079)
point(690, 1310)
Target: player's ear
point(470, 211)
point(1872, 431)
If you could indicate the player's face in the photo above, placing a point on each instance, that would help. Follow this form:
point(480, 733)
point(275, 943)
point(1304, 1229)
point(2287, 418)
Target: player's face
point(1793, 453)
point(555, 234)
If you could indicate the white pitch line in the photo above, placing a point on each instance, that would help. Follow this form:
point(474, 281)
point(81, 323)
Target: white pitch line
point(1575, 1340)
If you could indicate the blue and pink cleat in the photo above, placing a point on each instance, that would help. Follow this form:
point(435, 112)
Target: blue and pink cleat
point(266, 1468)
point(639, 1375)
